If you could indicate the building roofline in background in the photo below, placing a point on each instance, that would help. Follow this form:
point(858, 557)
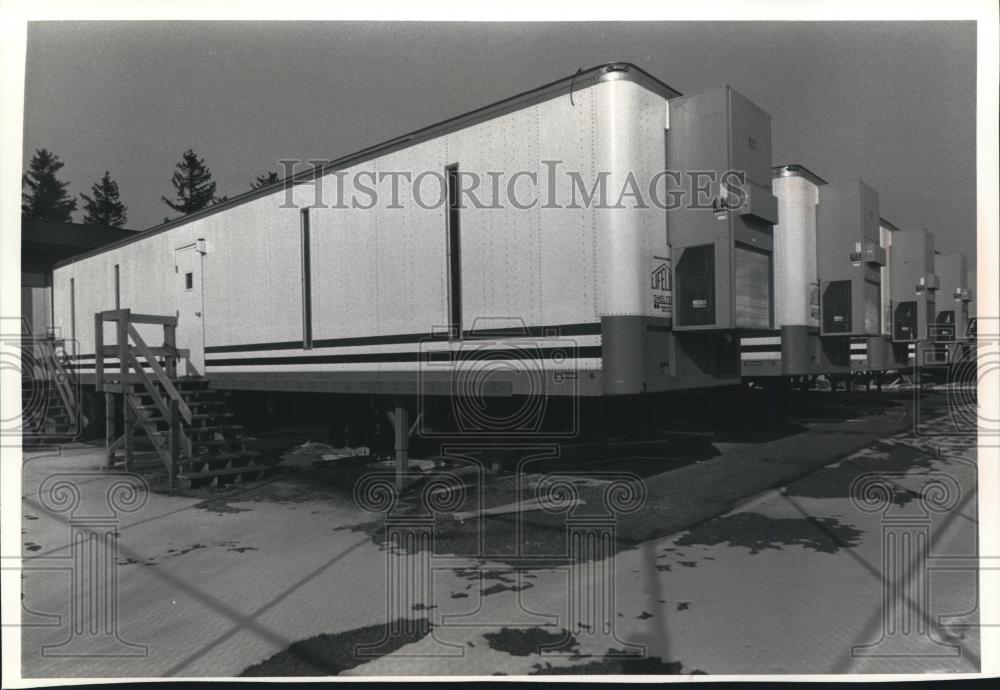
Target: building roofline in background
point(82, 235)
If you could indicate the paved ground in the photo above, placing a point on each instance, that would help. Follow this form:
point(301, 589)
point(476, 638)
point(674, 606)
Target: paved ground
point(748, 556)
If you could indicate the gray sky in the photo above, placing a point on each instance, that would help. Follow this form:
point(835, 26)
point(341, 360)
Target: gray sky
point(891, 103)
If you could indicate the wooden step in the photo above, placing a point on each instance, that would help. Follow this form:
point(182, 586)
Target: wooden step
point(213, 429)
point(199, 404)
point(157, 417)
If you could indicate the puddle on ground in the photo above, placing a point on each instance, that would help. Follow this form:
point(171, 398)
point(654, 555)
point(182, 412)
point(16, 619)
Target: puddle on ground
point(758, 532)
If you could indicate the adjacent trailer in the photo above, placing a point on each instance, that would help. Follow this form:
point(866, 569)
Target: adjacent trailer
point(296, 287)
point(831, 283)
point(851, 259)
point(793, 347)
point(952, 319)
point(885, 354)
point(914, 288)
point(973, 277)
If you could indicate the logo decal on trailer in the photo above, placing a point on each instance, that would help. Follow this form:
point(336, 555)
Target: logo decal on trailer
point(661, 284)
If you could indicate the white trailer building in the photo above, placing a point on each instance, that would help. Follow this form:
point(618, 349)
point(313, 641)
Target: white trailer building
point(297, 287)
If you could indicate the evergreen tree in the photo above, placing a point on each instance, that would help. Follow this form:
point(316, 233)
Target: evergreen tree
point(105, 208)
point(46, 197)
point(264, 180)
point(193, 181)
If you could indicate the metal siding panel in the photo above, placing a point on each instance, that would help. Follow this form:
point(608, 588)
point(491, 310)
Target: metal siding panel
point(624, 262)
point(885, 291)
point(565, 259)
point(651, 160)
point(750, 134)
point(795, 253)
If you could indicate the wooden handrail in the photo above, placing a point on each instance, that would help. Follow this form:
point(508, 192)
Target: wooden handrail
point(133, 356)
point(57, 374)
point(161, 375)
point(127, 315)
point(147, 383)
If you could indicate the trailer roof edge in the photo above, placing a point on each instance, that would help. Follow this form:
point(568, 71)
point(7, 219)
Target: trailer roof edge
point(614, 71)
point(889, 226)
point(796, 170)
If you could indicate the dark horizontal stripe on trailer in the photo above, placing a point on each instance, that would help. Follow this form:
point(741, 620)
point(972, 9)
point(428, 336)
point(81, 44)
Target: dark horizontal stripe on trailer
point(108, 369)
point(761, 348)
point(565, 330)
point(106, 358)
point(440, 357)
point(592, 328)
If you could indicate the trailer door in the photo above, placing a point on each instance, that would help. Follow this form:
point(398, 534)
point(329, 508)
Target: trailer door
point(190, 305)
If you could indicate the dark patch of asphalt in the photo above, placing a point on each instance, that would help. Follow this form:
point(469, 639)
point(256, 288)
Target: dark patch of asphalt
point(836, 481)
point(233, 546)
point(677, 499)
point(689, 484)
point(332, 654)
point(526, 641)
point(685, 497)
point(616, 662)
point(280, 487)
point(497, 588)
point(758, 532)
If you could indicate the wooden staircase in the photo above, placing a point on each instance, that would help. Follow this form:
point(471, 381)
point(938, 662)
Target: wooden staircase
point(44, 418)
point(187, 424)
point(49, 407)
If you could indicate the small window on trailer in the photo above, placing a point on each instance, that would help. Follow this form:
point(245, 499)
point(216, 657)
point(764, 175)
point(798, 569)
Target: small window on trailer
point(189, 281)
